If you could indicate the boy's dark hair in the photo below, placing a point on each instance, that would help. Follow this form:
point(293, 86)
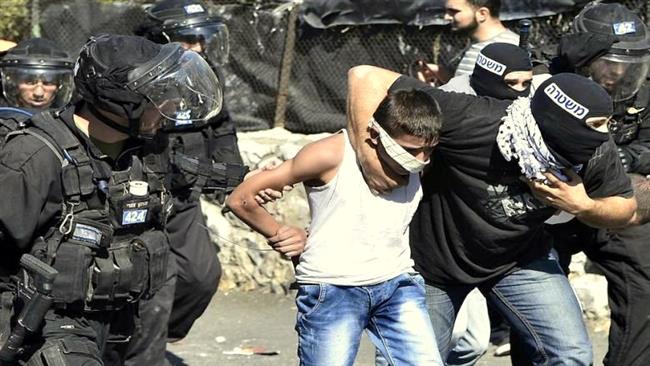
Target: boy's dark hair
point(410, 112)
point(493, 5)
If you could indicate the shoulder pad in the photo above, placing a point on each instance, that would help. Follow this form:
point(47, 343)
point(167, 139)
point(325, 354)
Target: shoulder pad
point(54, 134)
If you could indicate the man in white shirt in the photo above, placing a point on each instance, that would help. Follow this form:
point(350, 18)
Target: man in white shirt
point(478, 19)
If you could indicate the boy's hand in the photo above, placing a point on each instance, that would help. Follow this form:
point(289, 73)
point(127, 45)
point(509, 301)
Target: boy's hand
point(289, 241)
point(567, 196)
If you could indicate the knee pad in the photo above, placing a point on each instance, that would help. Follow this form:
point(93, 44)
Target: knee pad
point(64, 352)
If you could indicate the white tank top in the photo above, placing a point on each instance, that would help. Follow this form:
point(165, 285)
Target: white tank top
point(357, 238)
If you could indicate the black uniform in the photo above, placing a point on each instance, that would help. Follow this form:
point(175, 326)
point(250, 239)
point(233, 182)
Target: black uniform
point(198, 267)
point(172, 311)
point(611, 44)
point(170, 314)
point(621, 255)
point(69, 205)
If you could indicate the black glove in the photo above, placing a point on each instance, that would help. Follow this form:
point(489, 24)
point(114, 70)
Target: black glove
point(579, 49)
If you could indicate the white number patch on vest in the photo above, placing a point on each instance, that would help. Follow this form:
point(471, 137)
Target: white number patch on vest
point(183, 118)
point(194, 8)
point(565, 102)
point(136, 216)
point(490, 65)
point(624, 28)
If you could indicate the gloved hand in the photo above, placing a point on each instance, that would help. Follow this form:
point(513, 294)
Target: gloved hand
point(579, 49)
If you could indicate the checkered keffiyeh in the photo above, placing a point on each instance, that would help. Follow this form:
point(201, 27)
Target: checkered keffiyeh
point(405, 159)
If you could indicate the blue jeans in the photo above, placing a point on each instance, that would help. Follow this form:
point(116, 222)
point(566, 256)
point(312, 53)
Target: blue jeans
point(471, 335)
point(537, 301)
point(332, 318)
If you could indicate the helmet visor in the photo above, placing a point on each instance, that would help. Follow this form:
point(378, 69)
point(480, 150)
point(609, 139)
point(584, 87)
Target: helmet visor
point(211, 39)
point(38, 88)
point(621, 75)
point(186, 93)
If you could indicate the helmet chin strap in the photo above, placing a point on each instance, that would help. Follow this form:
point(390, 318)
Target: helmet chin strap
point(132, 130)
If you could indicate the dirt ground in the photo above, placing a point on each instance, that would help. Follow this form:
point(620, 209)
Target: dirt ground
point(255, 329)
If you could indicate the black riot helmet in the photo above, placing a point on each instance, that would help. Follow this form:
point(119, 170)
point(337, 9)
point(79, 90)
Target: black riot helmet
point(623, 69)
point(37, 74)
point(190, 23)
point(153, 86)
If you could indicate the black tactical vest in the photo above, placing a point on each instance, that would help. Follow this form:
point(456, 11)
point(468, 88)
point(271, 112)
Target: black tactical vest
point(629, 115)
point(109, 245)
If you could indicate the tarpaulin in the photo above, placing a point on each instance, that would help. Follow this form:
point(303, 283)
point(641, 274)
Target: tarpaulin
point(330, 13)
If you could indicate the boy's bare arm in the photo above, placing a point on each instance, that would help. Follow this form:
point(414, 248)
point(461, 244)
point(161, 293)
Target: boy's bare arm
point(367, 87)
point(315, 162)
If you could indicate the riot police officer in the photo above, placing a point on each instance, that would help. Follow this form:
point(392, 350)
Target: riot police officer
point(84, 191)
point(170, 315)
point(36, 75)
point(611, 45)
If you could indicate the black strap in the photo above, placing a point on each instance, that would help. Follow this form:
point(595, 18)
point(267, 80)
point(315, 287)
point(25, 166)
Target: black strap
point(219, 176)
point(77, 176)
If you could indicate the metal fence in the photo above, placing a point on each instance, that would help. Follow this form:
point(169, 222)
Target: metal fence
point(300, 84)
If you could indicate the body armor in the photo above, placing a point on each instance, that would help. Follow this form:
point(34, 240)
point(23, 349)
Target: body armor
point(109, 246)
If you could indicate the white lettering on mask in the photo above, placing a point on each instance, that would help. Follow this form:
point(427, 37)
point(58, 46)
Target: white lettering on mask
point(490, 65)
point(565, 102)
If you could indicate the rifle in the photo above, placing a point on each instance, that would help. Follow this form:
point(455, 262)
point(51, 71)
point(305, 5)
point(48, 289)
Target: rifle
point(524, 34)
point(34, 288)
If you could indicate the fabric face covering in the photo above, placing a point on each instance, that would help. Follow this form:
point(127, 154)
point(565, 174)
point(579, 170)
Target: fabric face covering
point(396, 152)
point(561, 107)
point(520, 138)
point(493, 63)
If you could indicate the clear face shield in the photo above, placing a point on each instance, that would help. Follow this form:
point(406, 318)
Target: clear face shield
point(39, 88)
point(621, 75)
point(211, 39)
point(187, 94)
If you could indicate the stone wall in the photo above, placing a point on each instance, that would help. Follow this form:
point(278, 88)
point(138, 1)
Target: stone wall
point(249, 264)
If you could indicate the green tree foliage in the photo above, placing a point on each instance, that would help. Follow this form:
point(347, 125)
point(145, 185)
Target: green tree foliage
point(14, 19)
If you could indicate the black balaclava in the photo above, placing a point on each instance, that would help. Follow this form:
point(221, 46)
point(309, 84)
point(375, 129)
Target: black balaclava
point(561, 107)
point(493, 63)
point(102, 74)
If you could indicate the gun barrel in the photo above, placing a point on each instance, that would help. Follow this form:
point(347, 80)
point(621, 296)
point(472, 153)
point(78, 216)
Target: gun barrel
point(524, 32)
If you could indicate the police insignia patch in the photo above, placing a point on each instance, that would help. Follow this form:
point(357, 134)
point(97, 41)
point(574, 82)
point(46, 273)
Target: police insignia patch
point(565, 102)
point(194, 8)
point(87, 234)
point(490, 65)
point(624, 28)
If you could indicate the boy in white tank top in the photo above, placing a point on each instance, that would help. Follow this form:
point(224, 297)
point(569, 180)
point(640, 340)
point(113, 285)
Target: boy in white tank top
point(356, 271)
